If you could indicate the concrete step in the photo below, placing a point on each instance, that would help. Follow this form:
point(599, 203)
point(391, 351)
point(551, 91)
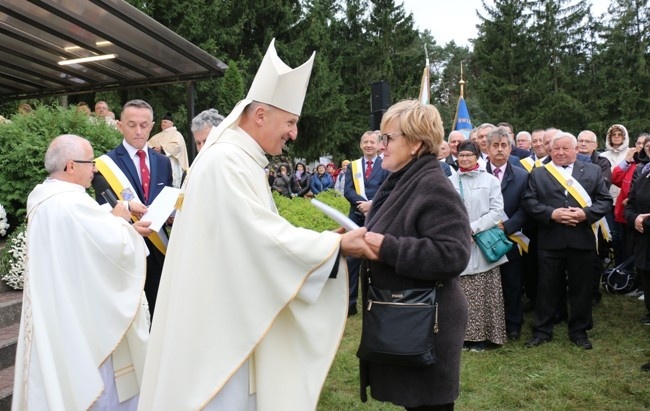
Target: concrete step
point(6, 388)
point(11, 303)
point(8, 340)
point(10, 308)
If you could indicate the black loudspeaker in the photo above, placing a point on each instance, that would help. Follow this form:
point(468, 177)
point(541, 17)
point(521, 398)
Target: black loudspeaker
point(375, 119)
point(380, 96)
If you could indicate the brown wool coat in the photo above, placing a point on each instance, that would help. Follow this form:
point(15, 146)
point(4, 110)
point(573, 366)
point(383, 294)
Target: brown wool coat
point(427, 238)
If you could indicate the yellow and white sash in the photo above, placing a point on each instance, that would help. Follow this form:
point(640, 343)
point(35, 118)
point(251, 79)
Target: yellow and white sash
point(528, 163)
point(125, 191)
point(517, 237)
point(357, 178)
point(573, 187)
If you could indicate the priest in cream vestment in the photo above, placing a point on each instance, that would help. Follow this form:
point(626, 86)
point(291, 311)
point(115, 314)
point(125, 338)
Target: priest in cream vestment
point(172, 144)
point(83, 330)
point(251, 309)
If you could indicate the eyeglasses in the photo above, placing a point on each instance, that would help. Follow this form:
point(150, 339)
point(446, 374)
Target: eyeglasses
point(585, 141)
point(466, 155)
point(387, 138)
point(80, 162)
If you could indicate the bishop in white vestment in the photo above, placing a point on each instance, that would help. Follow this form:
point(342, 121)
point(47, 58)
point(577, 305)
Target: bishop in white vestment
point(251, 309)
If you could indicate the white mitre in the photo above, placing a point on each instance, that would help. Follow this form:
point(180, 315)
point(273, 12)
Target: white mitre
point(275, 84)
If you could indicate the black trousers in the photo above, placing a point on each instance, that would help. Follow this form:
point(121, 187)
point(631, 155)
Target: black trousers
point(511, 283)
point(530, 268)
point(353, 272)
point(644, 279)
point(155, 262)
point(577, 266)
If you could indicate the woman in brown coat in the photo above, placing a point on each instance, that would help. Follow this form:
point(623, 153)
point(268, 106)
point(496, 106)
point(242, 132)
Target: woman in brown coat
point(420, 230)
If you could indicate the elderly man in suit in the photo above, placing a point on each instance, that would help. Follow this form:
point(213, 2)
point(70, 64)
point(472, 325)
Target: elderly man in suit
point(137, 174)
point(567, 197)
point(514, 181)
point(454, 139)
point(362, 179)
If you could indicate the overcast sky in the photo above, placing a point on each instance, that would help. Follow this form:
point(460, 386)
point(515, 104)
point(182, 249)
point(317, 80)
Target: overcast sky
point(457, 20)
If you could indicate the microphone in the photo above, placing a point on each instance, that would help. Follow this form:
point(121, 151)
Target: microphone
point(110, 197)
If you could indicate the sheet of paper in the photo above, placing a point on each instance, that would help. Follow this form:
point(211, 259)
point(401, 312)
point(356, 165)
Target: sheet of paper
point(161, 208)
point(335, 215)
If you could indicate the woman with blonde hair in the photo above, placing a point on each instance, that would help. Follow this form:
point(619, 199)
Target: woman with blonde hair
point(419, 228)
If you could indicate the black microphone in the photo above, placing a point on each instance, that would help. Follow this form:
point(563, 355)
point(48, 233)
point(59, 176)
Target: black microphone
point(110, 197)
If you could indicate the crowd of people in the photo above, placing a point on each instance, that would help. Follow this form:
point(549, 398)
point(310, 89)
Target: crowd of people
point(215, 342)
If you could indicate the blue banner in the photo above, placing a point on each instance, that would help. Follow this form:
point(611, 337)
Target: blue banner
point(462, 121)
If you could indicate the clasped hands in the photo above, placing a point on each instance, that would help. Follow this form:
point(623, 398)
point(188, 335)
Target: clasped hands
point(569, 216)
point(360, 243)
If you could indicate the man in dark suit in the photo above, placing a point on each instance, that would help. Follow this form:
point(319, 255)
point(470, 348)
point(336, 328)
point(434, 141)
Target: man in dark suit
point(148, 172)
point(514, 181)
point(566, 197)
point(363, 178)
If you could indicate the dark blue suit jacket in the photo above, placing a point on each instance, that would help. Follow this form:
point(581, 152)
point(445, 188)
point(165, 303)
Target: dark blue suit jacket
point(160, 170)
point(377, 177)
point(513, 186)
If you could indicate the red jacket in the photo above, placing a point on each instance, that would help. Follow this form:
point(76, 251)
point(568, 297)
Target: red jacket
point(623, 179)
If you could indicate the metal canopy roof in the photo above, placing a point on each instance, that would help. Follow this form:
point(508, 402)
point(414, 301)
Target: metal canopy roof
point(36, 34)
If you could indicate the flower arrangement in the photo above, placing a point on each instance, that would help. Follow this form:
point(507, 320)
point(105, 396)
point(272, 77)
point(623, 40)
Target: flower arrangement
point(14, 259)
point(4, 225)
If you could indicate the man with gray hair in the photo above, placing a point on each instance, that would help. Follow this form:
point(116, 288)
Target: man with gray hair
point(524, 140)
point(202, 124)
point(83, 329)
point(514, 181)
point(567, 197)
point(454, 139)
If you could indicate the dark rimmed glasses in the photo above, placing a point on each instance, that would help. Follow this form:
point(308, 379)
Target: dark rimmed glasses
point(387, 138)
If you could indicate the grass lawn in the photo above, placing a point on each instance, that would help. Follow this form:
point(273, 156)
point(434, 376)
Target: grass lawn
point(555, 376)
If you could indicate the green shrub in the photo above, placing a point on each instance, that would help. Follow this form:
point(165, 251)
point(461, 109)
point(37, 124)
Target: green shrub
point(24, 142)
point(299, 211)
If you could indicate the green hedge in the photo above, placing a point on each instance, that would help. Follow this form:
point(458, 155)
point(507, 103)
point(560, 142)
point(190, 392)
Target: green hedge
point(300, 212)
point(24, 142)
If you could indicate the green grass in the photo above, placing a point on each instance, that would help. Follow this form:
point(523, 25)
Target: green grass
point(554, 376)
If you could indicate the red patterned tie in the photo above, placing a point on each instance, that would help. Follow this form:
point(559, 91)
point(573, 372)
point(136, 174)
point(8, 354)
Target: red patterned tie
point(144, 174)
point(368, 169)
point(496, 172)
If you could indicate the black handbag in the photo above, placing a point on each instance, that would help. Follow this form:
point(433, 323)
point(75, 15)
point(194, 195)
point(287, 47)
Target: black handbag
point(399, 327)
point(620, 279)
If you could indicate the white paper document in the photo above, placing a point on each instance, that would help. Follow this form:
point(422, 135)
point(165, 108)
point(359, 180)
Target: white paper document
point(335, 215)
point(161, 208)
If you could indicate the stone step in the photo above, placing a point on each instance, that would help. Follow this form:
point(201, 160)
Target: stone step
point(6, 388)
point(8, 340)
point(10, 308)
point(11, 303)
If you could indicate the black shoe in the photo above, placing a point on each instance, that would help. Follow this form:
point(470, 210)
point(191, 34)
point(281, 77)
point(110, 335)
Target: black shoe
point(583, 343)
point(513, 335)
point(646, 320)
point(352, 311)
point(645, 367)
point(537, 341)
